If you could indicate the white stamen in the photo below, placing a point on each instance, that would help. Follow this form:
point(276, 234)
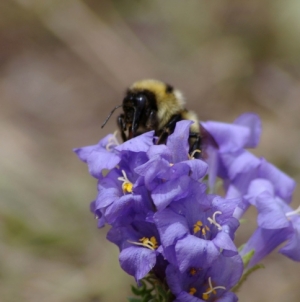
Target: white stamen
point(191, 156)
point(212, 288)
point(295, 212)
point(124, 178)
point(213, 220)
point(112, 141)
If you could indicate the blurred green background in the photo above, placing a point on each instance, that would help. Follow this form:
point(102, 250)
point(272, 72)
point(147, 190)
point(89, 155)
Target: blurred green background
point(65, 64)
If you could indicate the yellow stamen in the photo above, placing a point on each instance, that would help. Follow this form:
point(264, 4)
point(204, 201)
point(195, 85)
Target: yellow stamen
point(192, 291)
point(112, 141)
point(213, 220)
point(197, 226)
point(151, 243)
point(205, 296)
point(193, 271)
point(211, 290)
point(127, 186)
point(204, 230)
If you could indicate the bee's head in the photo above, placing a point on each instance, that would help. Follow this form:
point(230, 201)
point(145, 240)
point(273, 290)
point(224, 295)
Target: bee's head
point(134, 105)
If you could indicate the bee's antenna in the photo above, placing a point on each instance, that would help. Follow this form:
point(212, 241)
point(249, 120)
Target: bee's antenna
point(110, 115)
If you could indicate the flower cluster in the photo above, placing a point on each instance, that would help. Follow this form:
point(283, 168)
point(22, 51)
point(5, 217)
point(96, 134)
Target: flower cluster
point(258, 183)
point(165, 218)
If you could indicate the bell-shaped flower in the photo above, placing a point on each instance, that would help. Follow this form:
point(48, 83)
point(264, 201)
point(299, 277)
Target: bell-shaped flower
point(138, 244)
point(211, 284)
point(195, 227)
point(100, 156)
point(277, 223)
point(228, 140)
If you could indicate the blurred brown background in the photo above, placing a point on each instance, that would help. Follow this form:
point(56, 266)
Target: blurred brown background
point(65, 64)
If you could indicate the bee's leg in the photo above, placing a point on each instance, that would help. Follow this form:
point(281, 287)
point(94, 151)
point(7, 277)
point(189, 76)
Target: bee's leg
point(195, 141)
point(122, 127)
point(168, 129)
point(152, 122)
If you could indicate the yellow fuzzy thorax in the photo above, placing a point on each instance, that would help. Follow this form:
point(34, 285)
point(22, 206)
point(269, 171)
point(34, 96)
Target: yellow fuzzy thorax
point(168, 103)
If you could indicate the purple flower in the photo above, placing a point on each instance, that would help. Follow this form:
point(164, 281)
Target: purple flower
point(101, 156)
point(291, 248)
point(246, 167)
point(164, 221)
point(118, 190)
point(238, 167)
point(211, 284)
point(107, 154)
point(230, 140)
point(138, 244)
point(198, 226)
point(119, 199)
point(277, 223)
point(257, 182)
point(167, 163)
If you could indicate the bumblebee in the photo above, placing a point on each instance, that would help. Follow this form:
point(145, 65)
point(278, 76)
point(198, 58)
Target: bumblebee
point(154, 105)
